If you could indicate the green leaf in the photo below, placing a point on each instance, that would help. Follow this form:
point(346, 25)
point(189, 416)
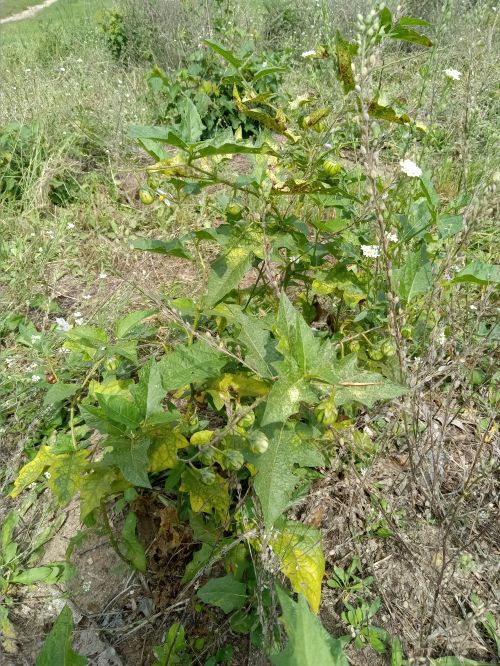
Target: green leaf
point(130, 545)
point(267, 71)
point(353, 384)
point(227, 55)
point(128, 323)
point(190, 364)
point(309, 644)
point(449, 225)
point(57, 650)
point(191, 126)
point(415, 276)
point(119, 410)
point(66, 474)
point(226, 273)
point(226, 593)
point(86, 340)
point(131, 456)
point(479, 272)
point(8, 527)
point(162, 134)
point(287, 393)
point(406, 35)
point(408, 20)
point(49, 574)
point(260, 352)
point(299, 550)
point(275, 482)
point(172, 248)
point(149, 392)
point(296, 338)
point(59, 393)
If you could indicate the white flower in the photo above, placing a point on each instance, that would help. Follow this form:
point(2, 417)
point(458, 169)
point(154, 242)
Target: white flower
point(328, 146)
point(27, 70)
point(50, 234)
point(86, 585)
point(35, 338)
point(410, 168)
point(70, 225)
point(62, 324)
point(392, 238)
point(86, 297)
point(79, 321)
point(46, 475)
point(77, 314)
point(79, 60)
point(35, 378)
point(453, 73)
point(103, 276)
point(372, 251)
point(308, 54)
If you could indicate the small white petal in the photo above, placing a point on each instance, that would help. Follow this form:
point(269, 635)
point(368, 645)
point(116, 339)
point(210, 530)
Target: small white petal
point(453, 73)
point(411, 169)
point(308, 54)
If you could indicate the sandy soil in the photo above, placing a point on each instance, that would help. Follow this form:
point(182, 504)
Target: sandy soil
point(27, 13)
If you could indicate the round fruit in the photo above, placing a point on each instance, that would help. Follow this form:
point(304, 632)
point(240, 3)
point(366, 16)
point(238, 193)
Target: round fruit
point(234, 459)
point(146, 196)
point(354, 346)
point(326, 413)
point(388, 348)
point(234, 210)
point(258, 442)
point(247, 421)
point(332, 168)
point(376, 354)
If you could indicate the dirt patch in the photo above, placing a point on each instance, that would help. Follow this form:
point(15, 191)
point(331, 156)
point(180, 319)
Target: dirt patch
point(28, 13)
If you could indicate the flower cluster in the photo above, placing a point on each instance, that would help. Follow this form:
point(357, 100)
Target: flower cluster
point(372, 251)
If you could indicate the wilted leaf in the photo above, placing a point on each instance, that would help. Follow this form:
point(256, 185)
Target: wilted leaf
point(7, 632)
point(163, 452)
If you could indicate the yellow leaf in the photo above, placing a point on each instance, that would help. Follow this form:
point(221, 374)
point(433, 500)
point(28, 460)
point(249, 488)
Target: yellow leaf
point(163, 452)
point(110, 386)
point(298, 547)
point(206, 497)
point(242, 384)
point(30, 472)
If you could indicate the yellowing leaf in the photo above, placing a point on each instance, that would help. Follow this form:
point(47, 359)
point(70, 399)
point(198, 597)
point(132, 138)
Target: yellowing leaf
point(298, 547)
point(66, 474)
point(243, 384)
point(30, 472)
point(206, 497)
point(163, 452)
point(110, 386)
point(7, 631)
point(102, 482)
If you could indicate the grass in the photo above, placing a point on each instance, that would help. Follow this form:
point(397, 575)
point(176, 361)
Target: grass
point(78, 176)
point(10, 7)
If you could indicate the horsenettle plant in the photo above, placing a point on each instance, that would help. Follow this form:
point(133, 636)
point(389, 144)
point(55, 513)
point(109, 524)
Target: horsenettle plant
point(293, 334)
